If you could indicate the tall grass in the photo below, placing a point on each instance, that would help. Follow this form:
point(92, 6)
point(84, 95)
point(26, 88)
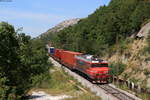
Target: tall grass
point(58, 82)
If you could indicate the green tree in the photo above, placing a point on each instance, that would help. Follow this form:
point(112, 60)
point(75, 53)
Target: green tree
point(21, 61)
point(9, 57)
point(97, 33)
point(141, 14)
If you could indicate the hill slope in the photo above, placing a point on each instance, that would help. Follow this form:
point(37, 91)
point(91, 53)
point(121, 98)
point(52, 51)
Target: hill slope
point(108, 24)
point(61, 26)
point(110, 33)
point(49, 35)
point(136, 59)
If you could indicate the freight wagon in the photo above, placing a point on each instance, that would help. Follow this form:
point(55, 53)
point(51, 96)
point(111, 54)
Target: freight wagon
point(68, 58)
point(57, 54)
point(96, 69)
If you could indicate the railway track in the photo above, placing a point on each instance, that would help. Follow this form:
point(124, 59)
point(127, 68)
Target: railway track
point(106, 91)
point(115, 92)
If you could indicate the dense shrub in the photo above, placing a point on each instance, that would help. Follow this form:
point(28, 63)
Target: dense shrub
point(146, 50)
point(117, 68)
point(148, 41)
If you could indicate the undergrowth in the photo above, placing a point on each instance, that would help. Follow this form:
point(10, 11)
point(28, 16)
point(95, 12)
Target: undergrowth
point(58, 82)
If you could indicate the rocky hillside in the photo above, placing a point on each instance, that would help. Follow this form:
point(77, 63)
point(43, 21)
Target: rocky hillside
point(135, 58)
point(52, 32)
point(63, 25)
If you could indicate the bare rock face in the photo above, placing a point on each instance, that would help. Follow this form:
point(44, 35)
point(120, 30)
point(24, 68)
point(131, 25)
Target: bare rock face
point(63, 25)
point(144, 31)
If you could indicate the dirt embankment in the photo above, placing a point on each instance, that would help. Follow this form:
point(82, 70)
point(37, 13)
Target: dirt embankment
point(138, 63)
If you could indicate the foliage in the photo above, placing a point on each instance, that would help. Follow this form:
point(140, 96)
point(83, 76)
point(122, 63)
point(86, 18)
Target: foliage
point(99, 31)
point(3, 88)
point(148, 41)
point(59, 82)
point(122, 45)
point(117, 68)
point(20, 61)
point(146, 50)
point(146, 72)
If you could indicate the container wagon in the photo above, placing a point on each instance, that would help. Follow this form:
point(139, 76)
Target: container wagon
point(96, 69)
point(68, 58)
point(57, 54)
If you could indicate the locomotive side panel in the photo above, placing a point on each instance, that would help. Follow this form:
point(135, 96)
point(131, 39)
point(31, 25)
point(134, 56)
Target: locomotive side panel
point(82, 66)
point(96, 69)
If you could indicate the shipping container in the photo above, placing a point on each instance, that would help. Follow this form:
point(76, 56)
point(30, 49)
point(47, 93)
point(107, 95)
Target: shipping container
point(68, 58)
point(57, 54)
point(51, 50)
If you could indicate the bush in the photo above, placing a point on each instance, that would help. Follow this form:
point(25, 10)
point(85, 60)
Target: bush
point(146, 72)
point(117, 68)
point(148, 41)
point(146, 50)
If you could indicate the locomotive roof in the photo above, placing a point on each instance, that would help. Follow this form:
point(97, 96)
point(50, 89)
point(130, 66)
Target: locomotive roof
point(73, 52)
point(90, 58)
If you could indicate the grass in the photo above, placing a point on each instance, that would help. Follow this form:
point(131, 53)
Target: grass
point(59, 83)
point(146, 72)
point(144, 96)
point(140, 95)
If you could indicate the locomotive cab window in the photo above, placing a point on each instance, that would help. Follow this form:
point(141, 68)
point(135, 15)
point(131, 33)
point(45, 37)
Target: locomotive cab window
point(80, 62)
point(99, 65)
point(104, 65)
point(96, 65)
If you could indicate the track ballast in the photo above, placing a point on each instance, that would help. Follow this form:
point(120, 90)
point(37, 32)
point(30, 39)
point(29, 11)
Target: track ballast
point(105, 91)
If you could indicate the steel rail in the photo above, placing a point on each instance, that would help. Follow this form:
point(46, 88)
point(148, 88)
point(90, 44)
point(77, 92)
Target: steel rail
point(115, 92)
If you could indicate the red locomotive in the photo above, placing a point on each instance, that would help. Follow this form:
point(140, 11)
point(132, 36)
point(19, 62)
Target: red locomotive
point(96, 69)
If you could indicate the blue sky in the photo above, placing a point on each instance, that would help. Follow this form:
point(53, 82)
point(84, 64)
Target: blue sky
point(37, 16)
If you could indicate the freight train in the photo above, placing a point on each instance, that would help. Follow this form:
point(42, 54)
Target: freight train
point(96, 69)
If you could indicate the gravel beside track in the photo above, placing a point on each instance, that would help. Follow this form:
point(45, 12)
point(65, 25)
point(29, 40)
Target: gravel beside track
point(119, 94)
point(106, 91)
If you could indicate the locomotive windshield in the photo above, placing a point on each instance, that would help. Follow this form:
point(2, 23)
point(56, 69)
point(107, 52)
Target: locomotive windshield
point(99, 65)
point(104, 65)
